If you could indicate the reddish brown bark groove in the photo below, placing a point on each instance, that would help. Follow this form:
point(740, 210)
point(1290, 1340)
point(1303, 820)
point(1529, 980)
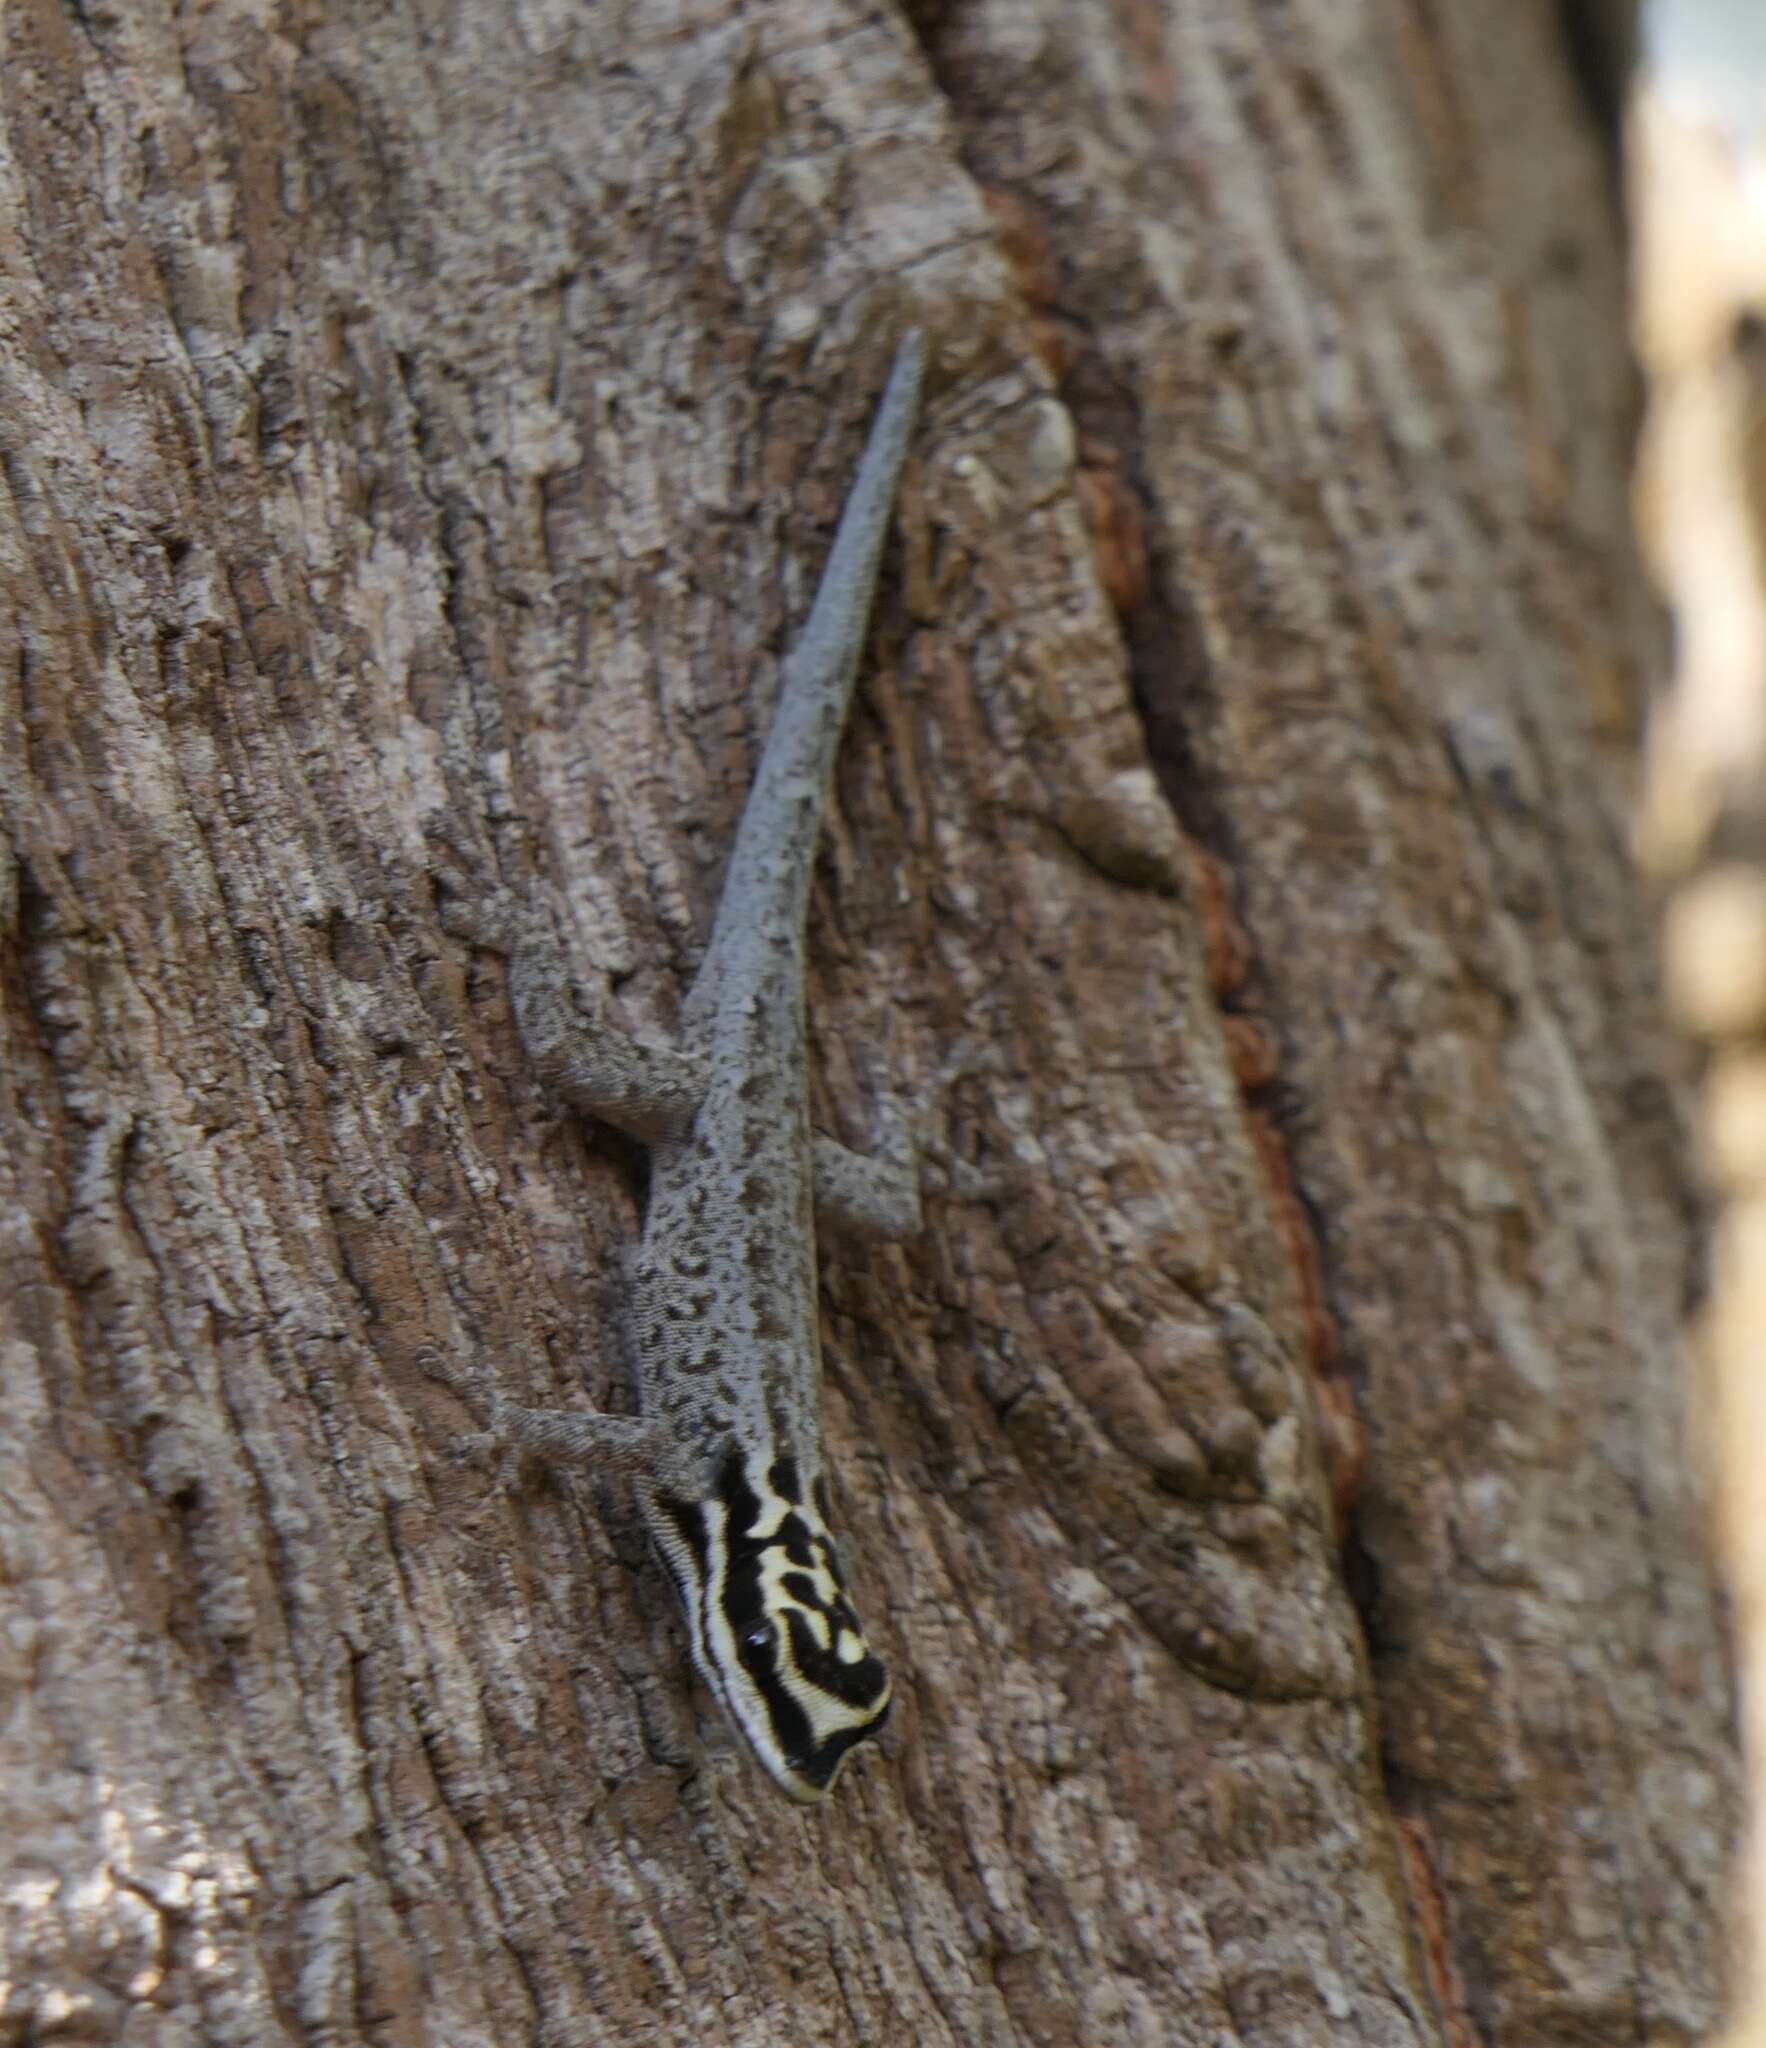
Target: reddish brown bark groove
point(1429, 1907)
point(1115, 523)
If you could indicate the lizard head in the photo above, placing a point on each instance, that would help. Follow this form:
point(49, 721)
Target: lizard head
point(771, 1628)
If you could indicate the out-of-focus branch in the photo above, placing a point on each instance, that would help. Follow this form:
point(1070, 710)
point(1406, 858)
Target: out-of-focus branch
point(1698, 183)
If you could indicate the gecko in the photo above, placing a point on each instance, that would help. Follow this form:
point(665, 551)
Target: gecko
point(725, 1455)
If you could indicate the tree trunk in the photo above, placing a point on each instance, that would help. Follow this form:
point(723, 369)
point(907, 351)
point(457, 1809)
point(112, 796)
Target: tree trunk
point(422, 428)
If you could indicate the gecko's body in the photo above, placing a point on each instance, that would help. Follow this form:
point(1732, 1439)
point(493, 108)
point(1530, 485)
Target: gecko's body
point(726, 1451)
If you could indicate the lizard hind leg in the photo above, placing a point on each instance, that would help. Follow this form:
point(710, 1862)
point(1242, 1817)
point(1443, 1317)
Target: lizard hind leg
point(650, 1091)
point(873, 1199)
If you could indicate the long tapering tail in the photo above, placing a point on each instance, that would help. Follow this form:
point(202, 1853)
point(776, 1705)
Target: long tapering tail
point(766, 887)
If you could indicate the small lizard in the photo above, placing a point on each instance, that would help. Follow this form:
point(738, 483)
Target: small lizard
point(725, 1454)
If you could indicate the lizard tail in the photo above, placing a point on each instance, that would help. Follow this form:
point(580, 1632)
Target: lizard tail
point(766, 887)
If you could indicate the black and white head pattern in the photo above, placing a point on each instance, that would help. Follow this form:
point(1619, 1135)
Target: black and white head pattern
point(772, 1631)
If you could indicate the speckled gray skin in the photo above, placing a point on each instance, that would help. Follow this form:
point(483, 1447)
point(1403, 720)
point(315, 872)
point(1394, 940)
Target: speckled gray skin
point(726, 1453)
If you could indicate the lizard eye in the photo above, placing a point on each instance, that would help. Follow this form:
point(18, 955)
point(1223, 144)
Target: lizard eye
point(761, 1638)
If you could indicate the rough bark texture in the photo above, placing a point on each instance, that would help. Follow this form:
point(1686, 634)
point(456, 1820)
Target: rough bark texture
point(430, 421)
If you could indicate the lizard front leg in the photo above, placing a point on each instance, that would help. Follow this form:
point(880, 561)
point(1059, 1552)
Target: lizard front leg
point(555, 1436)
point(582, 1436)
point(649, 1091)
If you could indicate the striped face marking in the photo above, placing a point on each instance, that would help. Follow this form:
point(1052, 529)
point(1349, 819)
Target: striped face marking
point(772, 1631)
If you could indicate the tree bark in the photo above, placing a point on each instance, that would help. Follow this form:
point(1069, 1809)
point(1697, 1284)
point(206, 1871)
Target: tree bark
point(421, 429)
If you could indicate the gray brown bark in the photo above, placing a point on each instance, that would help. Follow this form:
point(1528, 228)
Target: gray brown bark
point(430, 422)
